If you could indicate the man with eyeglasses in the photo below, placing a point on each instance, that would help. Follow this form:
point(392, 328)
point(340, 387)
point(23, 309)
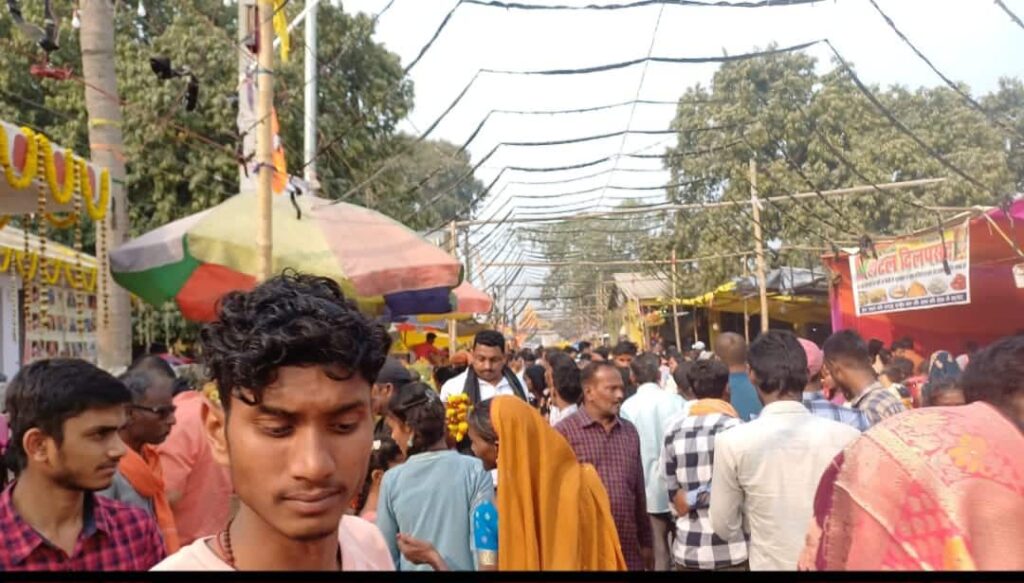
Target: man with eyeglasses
point(139, 480)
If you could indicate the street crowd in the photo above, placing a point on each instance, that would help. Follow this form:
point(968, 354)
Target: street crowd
point(303, 445)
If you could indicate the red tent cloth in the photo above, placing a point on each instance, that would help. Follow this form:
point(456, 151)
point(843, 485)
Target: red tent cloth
point(997, 304)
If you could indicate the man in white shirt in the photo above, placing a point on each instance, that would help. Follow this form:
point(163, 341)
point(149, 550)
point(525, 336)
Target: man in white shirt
point(650, 410)
point(488, 374)
point(766, 472)
point(563, 376)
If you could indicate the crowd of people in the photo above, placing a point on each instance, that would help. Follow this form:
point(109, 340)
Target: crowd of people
point(308, 447)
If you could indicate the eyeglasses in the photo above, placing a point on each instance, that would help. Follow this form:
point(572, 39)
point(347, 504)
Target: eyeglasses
point(164, 411)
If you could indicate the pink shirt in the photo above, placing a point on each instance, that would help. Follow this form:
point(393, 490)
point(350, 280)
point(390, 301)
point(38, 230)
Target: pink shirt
point(362, 549)
point(189, 469)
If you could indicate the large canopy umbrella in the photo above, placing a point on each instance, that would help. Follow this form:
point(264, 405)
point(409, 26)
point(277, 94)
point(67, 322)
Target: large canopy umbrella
point(380, 263)
point(469, 300)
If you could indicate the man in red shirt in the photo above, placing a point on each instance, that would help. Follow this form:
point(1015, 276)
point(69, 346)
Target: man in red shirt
point(427, 350)
point(64, 417)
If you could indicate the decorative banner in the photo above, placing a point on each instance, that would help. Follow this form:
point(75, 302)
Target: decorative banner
point(66, 329)
point(909, 274)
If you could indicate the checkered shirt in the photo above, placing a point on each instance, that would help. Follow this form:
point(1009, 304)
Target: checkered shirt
point(818, 405)
point(114, 537)
point(689, 457)
point(615, 455)
point(878, 403)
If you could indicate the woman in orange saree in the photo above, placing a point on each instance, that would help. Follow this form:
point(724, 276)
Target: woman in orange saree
point(553, 512)
point(940, 488)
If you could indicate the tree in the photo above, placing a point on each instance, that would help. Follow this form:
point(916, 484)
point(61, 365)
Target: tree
point(580, 288)
point(816, 132)
point(427, 187)
point(179, 162)
point(113, 330)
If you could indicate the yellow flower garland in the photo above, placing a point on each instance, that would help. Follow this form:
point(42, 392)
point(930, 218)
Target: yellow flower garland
point(61, 193)
point(28, 173)
point(85, 280)
point(76, 177)
point(457, 415)
point(96, 211)
point(61, 222)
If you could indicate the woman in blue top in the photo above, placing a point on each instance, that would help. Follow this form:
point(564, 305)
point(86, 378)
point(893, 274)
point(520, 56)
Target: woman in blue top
point(430, 498)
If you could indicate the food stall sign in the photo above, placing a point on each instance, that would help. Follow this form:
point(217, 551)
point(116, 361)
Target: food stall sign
point(910, 273)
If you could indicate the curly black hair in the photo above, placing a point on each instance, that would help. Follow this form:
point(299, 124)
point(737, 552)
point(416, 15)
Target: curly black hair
point(292, 319)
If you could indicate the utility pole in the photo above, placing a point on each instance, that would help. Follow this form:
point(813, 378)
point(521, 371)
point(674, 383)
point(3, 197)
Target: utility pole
point(106, 143)
point(759, 246)
point(675, 302)
point(453, 247)
point(265, 139)
point(247, 93)
point(310, 97)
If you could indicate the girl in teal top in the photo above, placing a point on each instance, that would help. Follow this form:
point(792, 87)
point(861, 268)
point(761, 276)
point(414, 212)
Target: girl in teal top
point(431, 498)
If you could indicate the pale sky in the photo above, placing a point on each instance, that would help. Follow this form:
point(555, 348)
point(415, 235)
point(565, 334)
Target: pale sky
point(969, 40)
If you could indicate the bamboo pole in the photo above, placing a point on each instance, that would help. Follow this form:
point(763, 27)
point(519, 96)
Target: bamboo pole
point(759, 246)
point(264, 139)
point(453, 247)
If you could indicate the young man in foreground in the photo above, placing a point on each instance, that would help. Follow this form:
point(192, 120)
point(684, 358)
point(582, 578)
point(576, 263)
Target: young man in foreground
point(64, 419)
point(294, 362)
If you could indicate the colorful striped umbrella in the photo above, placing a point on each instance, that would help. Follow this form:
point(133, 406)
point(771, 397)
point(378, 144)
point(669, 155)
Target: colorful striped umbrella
point(383, 265)
point(469, 300)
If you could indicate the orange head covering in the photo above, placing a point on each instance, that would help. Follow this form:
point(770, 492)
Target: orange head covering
point(552, 510)
point(461, 358)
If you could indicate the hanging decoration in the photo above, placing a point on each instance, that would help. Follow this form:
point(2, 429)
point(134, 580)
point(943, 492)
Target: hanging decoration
point(281, 28)
point(28, 172)
point(43, 164)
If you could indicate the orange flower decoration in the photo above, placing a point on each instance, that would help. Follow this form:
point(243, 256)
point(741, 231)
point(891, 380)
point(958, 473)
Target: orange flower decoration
point(969, 453)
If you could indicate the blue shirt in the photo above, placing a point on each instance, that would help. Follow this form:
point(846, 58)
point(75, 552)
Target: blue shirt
point(743, 396)
point(650, 410)
point(432, 497)
point(817, 404)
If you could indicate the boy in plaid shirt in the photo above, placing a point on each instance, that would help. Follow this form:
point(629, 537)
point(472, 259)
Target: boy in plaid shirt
point(688, 458)
point(64, 447)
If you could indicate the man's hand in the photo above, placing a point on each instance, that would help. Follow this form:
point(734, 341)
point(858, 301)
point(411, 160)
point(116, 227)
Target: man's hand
point(679, 501)
point(648, 554)
point(420, 552)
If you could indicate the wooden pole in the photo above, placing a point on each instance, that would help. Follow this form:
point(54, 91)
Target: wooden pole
point(759, 246)
point(264, 139)
point(675, 304)
point(453, 247)
point(746, 306)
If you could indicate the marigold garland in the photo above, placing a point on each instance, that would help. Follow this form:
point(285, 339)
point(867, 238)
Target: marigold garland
point(61, 222)
point(457, 410)
point(28, 173)
point(39, 151)
point(83, 280)
point(96, 211)
point(61, 193)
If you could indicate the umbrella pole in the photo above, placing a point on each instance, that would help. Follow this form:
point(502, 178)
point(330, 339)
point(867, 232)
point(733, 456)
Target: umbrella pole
point(264, 138)
point(453, 246)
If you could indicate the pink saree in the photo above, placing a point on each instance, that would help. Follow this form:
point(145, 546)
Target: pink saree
point(940, 488)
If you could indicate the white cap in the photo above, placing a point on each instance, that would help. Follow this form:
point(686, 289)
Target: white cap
point(698, 345)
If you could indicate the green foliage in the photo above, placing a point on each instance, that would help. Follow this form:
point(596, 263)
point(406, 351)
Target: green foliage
point(807, 131)
point(810, 131)
point(181, 162)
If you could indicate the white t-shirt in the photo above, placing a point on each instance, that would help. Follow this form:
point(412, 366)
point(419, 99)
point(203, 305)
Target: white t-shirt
point(556, 415)
point(362, 549)
point(457, 385)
